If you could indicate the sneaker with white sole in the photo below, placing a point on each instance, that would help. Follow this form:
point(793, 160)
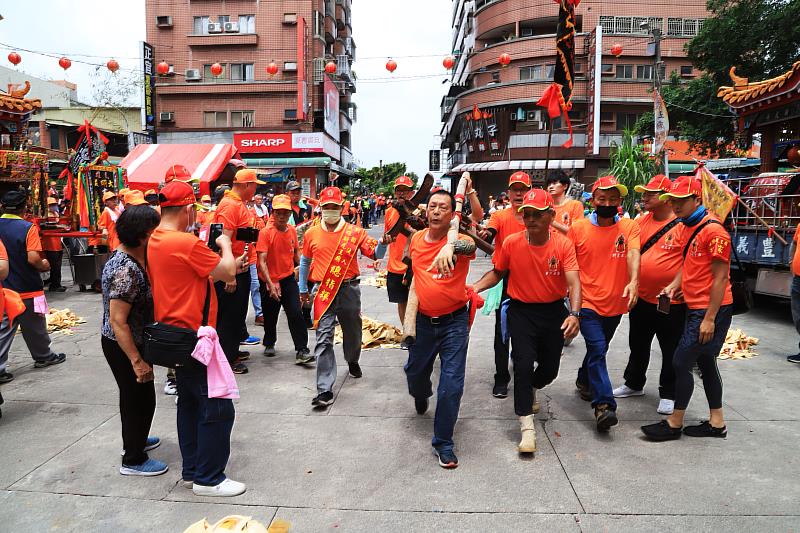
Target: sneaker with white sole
point(665, 407)
point(151, 444)
point(226, 489)
point(626, 392)
point(149, 468)
point(170, 387)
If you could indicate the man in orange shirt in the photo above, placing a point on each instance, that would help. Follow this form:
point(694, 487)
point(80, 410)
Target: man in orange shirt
point(108, 220)
point(706, 288)
point(26, 260)
point(204, 214)
point(330, 261)
point(607, 248)
point(540, 265)
point(396, 268)
point(53, 249)
point(567, 210)
point(233, 297)
point(442, 322)
point(660, 235)
point(502, 224)
point(278, 254)
point(181, 269)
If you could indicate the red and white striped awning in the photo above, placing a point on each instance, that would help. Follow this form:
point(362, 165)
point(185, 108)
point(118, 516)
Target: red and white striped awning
point(147, 164)
point(528, 164)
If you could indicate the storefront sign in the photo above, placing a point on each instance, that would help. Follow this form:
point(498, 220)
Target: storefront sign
point(302, 83)
point(149, 104)
point(331, 104)
point(285, 142)
point(434, 160)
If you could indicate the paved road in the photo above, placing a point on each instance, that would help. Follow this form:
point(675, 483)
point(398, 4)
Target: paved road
point(366, 463)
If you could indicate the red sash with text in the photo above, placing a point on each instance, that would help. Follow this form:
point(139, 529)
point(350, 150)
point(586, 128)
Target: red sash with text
point(334, 275)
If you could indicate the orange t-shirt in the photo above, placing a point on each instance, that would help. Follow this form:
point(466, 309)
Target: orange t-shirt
point(179, 265)
point(437, 295)
point(796, 258)
point(320, 246)
point(279, 247)
point(536, 273)
point(712, 243)
point(233, 214)
point(506, 225)
point(204, 218)
point(108, 221)
point(396, 248)
point(568, 213)
point(51, 244)
point(602, 254)
point(33, 243)
point(661, 263)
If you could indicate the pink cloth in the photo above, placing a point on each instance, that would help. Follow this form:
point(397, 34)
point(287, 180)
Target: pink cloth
point(40, 305)
point(221, 381)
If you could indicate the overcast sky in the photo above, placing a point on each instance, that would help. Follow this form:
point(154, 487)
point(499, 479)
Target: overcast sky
point(397, 120)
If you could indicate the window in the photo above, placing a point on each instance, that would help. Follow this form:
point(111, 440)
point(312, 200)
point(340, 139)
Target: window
point(222, 19)
point(495, 77)
point(607, 69)
point(319, 24)
point(644, 72)
point(242, 119)
point(579, 68)
point(247, 23)
point(215, 119)
point(624, 72)
point(54, 141)
point(200, 26)
point(684, 27)
point(626, 121)
point(537, 72)
point(623, 25)
point(164, 22)
point(208, 76)
point(687, 70)
point(607, 23)
point(242, 72)
point(606, 116)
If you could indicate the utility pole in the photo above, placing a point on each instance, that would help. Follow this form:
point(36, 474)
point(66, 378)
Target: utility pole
point(657, 37)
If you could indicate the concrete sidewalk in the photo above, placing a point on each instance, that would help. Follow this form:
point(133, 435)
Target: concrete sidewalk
point(366, 463)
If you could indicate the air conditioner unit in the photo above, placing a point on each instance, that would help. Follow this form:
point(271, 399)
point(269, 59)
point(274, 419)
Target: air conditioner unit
point(534, 116)
point(215, 27)
point(164, 22)
point(290, 114)
point(513, 116)
point(171, 71)
point(166, 116)
point(290, 66)
point(290, 18)
point(231, 27)
point(192, 74)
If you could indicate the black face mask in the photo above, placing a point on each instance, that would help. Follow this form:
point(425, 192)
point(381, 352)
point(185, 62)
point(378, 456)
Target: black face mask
point(606, 211)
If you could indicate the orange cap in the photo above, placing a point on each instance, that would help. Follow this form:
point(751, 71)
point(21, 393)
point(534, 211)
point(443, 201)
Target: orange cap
point(135, 198)
point(519, 177)
point(176, 193)
point(684, 187)
point(538, 199)
point(205, 198)
point(610, 182)
point(122, 192)
point(659, 183)
point(331, 195)
point(403, 181)
point(108, 195)
point(150, 191)
point(282, 201)
point(247, 175)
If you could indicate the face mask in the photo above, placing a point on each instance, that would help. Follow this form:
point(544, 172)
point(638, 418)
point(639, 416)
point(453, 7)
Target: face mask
point(606, 211)
point(331, 216)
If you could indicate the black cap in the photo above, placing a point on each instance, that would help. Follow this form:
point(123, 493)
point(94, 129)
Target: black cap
point(293, 186)
point(14, 199)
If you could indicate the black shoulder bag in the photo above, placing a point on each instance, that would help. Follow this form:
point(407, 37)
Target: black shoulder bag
point(660, 233)
point(742, 297)
point(168, 345)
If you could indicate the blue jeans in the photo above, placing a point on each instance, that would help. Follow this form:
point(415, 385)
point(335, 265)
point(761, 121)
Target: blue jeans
point(448, 339)
point(255, 292)
point(597, 331)
point(204, 428)
point(796, 302)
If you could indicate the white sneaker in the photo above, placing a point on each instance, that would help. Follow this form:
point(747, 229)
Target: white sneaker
point(626, 392)
point(665, 407)
point(170, 388)
point(227, 488)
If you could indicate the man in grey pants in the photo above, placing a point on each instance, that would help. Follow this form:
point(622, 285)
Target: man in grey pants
point(26, 260)
point(334, 246)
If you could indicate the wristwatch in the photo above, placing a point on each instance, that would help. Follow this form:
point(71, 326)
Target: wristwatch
point(576, 314)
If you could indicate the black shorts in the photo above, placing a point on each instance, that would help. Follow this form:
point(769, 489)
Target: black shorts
point(398, 293)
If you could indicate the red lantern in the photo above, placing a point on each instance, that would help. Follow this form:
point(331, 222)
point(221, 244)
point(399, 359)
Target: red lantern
point(330, 67)
point(504, 60)
point(162, 68)
point(64, 63)
point(14, 58)
point(616, 49)
point(272, 69)
point(391, 65)
point(112, 65)
point(216, 69)
point(476, 113)
point(449, 62)
point(793, 156)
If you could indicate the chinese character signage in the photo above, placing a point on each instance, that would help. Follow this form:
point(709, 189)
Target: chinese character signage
point(661, 119)
point(149, 104)
point(434, 160)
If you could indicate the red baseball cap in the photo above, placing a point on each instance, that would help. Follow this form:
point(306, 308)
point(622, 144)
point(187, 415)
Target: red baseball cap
point(519, 177)
point(684, 187)
point(658, 183)
point(247, 175)
point(176, 193)
point(538, 199)
point(178, 172)
point(331, 195)
point(609, 182)
point(404, 181)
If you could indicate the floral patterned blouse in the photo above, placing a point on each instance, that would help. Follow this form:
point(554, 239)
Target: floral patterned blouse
point(124, 279)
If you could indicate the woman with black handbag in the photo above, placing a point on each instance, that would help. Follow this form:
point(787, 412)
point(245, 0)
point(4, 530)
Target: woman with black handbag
point(127, 307)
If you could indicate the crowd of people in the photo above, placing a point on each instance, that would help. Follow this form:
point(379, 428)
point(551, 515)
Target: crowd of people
point(199, 266)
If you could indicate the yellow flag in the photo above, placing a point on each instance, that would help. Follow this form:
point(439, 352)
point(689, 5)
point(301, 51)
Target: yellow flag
point(717, 197)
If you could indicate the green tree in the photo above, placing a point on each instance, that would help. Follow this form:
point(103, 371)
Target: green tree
point(631, 165)
point(377, 179)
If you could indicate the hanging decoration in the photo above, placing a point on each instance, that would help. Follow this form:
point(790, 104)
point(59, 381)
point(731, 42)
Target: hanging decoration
point(112, 65)
point(449, 62)
point(553, 101)
point(64, 63)
point(616, 50)
point(162, 68)
point(391, 65)
point(14, 58)
point(565, 48)
point(330, 67)
point(272, 68)
point(476, 113)
point(216, 70)
point(504, 60)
